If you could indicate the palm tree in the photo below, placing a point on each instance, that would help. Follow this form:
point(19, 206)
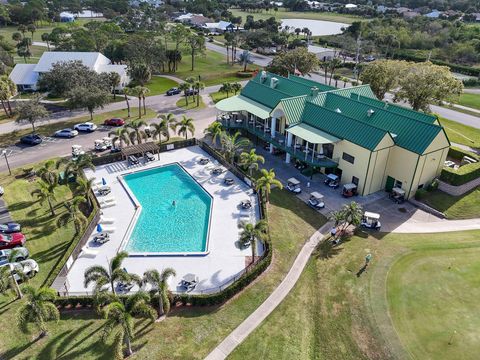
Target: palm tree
point(120, 134)
point(47, 173)
point(120, 316)
point(250, 160)
point(185, 126)
point(214, 130)
point(137, 134)
point(37, 309)
point(185, 87)
point(231, 144)
point(73, 214)
point(163, 128)
point(352, 214)
point(266, 181)
point(198, 85)
point(73, 167)
point(46, 192)
point(250, 234)
point(128, 92)
point(102, 276)
point(84, 186)
point(158, 281)
point(143, 91)
point(226, 88)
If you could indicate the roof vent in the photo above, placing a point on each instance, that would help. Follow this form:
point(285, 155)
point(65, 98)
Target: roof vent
point(338, 110)
point(273, 82)
point(370, 112)
point(314, 91)
point(393, 135)
point(263, 76)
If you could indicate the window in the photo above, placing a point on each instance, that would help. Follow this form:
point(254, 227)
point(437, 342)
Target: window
point(398, 184)
point(348, 158)
point(355, 180)
point(420, 186)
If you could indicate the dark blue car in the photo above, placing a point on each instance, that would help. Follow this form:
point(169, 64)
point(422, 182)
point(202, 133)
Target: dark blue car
point(31, 139)
point(10, 227)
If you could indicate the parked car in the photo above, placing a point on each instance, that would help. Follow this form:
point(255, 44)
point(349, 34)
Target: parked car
point(87, 127)
point(31, 139)
point(9, 241)
point(370, 58)
point(173, 91)
point(2, 191)
point(28, 267)
point(10, 227)
point(114, 122)
point(21, 253)
point(191, 92)
point(66, 133)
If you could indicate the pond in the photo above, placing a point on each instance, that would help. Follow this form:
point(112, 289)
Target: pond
point(317, 27)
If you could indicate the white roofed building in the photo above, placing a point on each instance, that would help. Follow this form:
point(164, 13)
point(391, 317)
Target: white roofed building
point(25, 76)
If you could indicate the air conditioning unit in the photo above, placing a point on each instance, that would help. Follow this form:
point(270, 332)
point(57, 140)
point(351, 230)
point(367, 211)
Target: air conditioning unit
point(370, 112)
point(273, 82)
point(263, 76)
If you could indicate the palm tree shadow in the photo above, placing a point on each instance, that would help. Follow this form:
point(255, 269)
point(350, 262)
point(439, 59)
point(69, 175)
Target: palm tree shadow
point(20, 205)
point(13, 353)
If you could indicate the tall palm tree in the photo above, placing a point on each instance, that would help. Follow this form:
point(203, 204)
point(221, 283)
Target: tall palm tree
point(120, 317)
point(47, 172)
point(198, 85)
point(250, 234)
point(73, 167)
point(84, 186)
point(127, 92)
point(232, 144)
point(250, 160)
point(143, 91)
point(120, 134)
point(158, 281)
point(185, 126)
point(102, 276)
point(170, 121)
point(160, 129)
point(73, 213)
point(352, 214)
point(185, 87)
point(37, 309)
point(7, 276)
point(46, 193)
point(214, 130)
point(266, 181)
point(137, 134)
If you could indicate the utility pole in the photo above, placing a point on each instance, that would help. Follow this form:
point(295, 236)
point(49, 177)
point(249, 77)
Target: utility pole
point(357, 56)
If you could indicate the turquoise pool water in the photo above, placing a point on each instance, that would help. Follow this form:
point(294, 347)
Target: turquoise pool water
point(163, 227)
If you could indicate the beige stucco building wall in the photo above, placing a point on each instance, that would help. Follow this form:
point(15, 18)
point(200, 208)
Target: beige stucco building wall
point(359, 166)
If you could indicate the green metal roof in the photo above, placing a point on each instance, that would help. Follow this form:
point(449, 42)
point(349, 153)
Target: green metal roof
point(241, 103)
point(342, 126)
point(312, 135)
point(311, 83)
point(263, 94)
point(417, 115)
point(363, 90)
point(411, 134)
point(293, 109)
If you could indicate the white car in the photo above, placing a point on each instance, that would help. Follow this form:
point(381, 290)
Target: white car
point(2, 191)
point(87, 127)
point(28, 267)
point(66, 133)
point(21, 253)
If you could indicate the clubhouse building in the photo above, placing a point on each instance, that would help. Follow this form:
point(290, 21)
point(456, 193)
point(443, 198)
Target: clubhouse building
point(348, 132)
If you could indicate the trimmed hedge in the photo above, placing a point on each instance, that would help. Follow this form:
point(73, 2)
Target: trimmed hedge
point(107, 159)
point(465, 173)
point(458, 153)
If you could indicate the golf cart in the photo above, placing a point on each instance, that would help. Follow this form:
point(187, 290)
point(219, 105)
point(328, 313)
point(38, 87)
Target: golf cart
point(77, 151)
point(293, 185)
point(316, 200)
point(349, 190)
point(332, 181)
point(397, 195)
point(370, 220)
point(100, 145)
point(108, 142)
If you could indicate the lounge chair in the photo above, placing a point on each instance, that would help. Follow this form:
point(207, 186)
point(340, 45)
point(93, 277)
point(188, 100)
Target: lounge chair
point(245, 204)
point(109, 229)
point(107, 204)
point(86, 251)
point(101, 238)
point(217, 171)
point(106, 220)
point(132, 160)
point(149, 156)
point(228, 181)
point(104, 190)
point(204, 161)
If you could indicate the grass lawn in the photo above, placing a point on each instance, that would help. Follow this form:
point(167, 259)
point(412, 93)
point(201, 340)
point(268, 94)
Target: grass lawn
point(284, 14)
point(159, 85)
point(466, 206)
point(4, 118)
point(333, 314)
point(192, 104)
point(212, 67)
point(470, 100)
point(461, 134)
point(48, 129)
point(188, 333)
point(217, 96)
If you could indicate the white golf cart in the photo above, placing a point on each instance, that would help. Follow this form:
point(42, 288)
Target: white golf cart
point(332, 180)
point(397, 195)
point(349, 190)
point(100, 145)
point(370, 220)
point(293, 185)
point(316, 200)
point(77, 151)
point(108, 142)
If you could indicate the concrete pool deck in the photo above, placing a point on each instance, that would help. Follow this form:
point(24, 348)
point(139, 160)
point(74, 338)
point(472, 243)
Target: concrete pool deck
point(225, 259)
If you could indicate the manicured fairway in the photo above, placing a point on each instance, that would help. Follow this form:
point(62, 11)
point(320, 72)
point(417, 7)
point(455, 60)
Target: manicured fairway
point(470, 100)
point(461, 134)
point(466, 206)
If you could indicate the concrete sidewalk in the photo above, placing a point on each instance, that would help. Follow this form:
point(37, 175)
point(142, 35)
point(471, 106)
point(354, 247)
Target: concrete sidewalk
point(276, 297)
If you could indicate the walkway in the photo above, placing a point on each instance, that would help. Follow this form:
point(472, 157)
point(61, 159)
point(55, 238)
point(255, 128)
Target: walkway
point(275, 298)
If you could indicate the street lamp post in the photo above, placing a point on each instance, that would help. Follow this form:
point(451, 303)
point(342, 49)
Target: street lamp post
point(4, 153)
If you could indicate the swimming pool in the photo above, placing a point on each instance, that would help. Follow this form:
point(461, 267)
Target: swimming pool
point(175, 212)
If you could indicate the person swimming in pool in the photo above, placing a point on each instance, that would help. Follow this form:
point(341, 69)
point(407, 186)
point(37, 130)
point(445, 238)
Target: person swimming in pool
point(174, 203)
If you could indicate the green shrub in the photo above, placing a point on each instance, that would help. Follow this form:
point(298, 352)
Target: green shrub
point(420, 194)
point(458, 153)
point(244, 74)
point(433, 185)
point(462, 175)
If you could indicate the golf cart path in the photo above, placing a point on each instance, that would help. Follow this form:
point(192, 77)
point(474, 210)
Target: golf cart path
point(440, 226)
point(276, 297)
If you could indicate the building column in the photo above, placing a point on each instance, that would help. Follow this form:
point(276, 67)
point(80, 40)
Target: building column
point(289, 144)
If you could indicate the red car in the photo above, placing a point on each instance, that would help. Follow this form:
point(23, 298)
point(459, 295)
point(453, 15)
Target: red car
point(114, 122)
point(9, 241)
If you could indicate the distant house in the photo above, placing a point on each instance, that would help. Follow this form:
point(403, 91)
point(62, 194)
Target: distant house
point(154, 3)
point(477, 17)
point(322, 53)
point(410, 14)
point(351, 6)
point(219, 27)
point(67, 17)
point(26, 76)
point(381, 9)
point(193, 19)
point(435, 14)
